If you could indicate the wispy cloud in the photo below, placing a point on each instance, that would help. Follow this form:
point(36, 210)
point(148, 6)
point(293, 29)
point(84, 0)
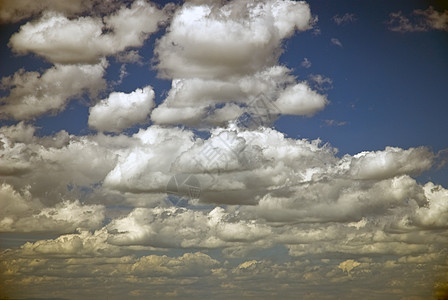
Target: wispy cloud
point(336, 42)
point(331, 123)
point(320, 82)
point(418, 21)
point(344, 19)
point(306, 63)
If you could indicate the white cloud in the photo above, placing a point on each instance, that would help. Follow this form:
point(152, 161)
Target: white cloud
point(32, 94)
point(120, 110)
point(197, 98)
point(391, 162)
point(81, 40)
point(219, 61)
point(336, 42)
point(300, 99)
point(420, 20)
point(210, 41)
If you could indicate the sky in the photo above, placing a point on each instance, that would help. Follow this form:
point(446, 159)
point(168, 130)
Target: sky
point(223, 149)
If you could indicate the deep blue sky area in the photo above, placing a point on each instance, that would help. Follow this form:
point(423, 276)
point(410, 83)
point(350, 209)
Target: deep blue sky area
point(388, 88)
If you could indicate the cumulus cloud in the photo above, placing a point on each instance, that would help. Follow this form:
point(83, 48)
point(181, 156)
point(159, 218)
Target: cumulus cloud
point(199, 98)
point(32, 94)
point(300, 99)
point(82, 40)
point(66, 160)
point(215, 41)
point(21, 213)
point(221, 57)
point(419, 21)
point(120, 110)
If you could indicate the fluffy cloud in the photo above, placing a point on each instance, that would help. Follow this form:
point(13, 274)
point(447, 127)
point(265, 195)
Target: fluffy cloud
point(300, 99)
point(421, 20)
point(120, 110)
point(82, 40)
point(32, 94)
point(220, 61)
point(199, 98)
point(217, 41)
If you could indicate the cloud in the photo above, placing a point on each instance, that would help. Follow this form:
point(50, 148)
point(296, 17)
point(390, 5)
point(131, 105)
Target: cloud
point(218, 65)
point(198, 98)
point(335, 123)
point(419, 21)
point(120, 110)
point(17, 10)
point(82, 40)
point(344, 19)
point(320, 82)
point(348, 265)
point(300, 99)
point(32, 94)
point(336, 42)
point(21, 213)
point(339, 222)
point(213, 41)
point(305, 63)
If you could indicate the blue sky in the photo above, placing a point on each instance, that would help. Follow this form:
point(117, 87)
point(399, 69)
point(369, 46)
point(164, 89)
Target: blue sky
point(115, 100)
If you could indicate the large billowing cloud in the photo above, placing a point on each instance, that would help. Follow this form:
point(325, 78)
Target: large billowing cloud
point(222, 57)
point(82, 40)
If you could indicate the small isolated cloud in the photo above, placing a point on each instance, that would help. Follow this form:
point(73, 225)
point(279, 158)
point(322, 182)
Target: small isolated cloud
point(344, 19)
point(121, 110)
point(334, 123)
point(336, 42)
point(348, 265)
point(418, 21)
point(305, 63)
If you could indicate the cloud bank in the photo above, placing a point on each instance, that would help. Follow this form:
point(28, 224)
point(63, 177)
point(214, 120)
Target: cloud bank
point(276, 216)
